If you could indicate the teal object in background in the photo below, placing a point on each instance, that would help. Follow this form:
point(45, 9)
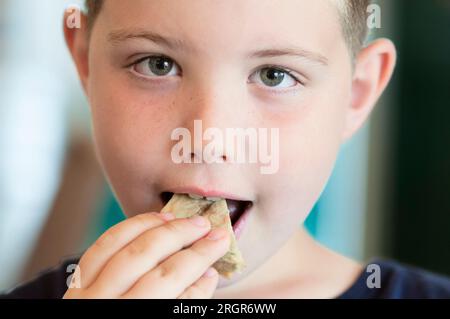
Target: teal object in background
point(341, 218)
point(108, 214)
point(112, 214)
point(311, 220)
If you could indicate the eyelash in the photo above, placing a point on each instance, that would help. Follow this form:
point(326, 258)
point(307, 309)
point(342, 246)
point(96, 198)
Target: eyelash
point(285, 70)
point(130, 67)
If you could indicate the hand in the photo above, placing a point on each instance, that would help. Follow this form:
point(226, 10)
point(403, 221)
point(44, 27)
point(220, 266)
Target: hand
point(152, 255)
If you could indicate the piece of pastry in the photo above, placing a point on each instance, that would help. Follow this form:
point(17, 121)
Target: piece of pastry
point(183, 206)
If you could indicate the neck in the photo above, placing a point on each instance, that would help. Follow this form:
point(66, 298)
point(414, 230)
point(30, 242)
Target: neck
point(300, 269)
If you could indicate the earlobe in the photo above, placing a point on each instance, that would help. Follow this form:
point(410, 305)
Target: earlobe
point(373, 70)
point(77, 43)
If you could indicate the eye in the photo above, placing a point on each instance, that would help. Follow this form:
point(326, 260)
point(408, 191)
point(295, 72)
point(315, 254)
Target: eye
point(274, 77)
point(156, 66)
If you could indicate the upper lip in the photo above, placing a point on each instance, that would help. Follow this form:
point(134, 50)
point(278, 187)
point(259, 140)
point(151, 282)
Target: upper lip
point(212, 193)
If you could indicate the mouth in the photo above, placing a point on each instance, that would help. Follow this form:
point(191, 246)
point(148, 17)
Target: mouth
point(237, 208)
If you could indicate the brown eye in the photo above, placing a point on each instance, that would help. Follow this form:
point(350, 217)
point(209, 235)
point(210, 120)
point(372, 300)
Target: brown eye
point(158, 66)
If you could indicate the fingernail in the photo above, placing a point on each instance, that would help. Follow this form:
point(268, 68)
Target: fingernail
point(167, 216)
point(211, 272)
point(216, 234)
point(198, 221)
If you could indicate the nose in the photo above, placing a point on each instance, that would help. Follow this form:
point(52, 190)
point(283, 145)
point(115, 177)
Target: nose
point(197, 157)
point(208, 115)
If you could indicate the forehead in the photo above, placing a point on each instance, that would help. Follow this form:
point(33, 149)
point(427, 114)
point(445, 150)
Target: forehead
point(222, 26)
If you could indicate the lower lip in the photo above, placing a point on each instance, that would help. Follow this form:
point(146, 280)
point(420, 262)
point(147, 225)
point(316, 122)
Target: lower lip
point(239, 225)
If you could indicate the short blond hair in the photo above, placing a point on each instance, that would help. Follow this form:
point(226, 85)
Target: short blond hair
point(353, 20)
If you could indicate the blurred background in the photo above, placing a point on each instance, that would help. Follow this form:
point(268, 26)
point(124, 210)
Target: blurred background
point(389, 195)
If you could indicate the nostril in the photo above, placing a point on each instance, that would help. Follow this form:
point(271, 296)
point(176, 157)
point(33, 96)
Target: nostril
point(224, 158)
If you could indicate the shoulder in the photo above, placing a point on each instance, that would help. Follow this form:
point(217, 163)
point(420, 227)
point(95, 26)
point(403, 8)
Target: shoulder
point(49, 284)
point(390, 279)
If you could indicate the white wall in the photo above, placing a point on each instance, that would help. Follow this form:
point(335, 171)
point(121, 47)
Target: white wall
point(36, 81)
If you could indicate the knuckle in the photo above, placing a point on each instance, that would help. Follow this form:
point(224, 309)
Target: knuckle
point(138, 247)
point(144, 219)
point(199, 252)
point(105, 240)
point(167, 274)
point(146, 243)
point(173, 227)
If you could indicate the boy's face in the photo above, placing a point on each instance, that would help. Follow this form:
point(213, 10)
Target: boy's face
point(218, 47)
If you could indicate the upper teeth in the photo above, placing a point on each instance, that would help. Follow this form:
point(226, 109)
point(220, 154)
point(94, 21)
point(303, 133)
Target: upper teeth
point(195, 196)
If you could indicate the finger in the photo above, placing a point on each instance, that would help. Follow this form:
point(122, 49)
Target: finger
point(114, 239)
point(148, 250)
point(182, 269)
point(204, 287)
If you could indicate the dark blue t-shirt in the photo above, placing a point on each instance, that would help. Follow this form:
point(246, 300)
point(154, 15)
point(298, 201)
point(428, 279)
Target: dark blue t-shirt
point(395, 281)
point(398, 281)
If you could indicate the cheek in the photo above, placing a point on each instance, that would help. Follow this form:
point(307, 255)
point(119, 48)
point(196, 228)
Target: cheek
point(124, 127)
point(125, 124)
point(309, 144)
point(125, 117)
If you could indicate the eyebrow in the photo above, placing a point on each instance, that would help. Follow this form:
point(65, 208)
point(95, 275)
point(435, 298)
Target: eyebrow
point(118, 36)
point(294, 52)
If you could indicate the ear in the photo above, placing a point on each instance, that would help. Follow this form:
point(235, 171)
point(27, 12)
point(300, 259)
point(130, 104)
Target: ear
point(373, 70)
point(77, 40)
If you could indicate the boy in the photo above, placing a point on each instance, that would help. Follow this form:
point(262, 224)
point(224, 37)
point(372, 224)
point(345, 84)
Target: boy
point(151, 67)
